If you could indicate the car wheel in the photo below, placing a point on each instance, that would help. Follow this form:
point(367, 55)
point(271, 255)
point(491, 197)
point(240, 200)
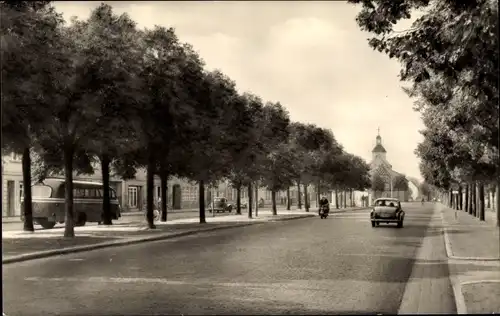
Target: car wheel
point(373, 224)
point(81, 219)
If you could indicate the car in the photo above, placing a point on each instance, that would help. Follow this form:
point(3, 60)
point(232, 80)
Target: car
point(220, 204)
point(387, 210)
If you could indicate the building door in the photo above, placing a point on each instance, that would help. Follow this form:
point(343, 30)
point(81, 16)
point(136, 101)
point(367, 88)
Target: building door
point(176, 197)
point(132, 197)
point(11, 198)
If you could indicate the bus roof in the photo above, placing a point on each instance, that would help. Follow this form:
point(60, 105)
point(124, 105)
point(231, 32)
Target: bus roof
point(74, 181)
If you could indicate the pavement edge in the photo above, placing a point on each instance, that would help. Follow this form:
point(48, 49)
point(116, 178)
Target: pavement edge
point(129, 241)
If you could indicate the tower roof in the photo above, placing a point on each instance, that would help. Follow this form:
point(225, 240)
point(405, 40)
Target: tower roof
point(379, 148)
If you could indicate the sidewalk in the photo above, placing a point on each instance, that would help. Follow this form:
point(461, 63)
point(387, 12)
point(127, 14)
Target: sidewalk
point(469, 237)
point(473, 247)
point(20, 246)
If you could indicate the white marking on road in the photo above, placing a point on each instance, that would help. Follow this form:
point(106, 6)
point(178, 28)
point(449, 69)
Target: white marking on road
point(76, 259)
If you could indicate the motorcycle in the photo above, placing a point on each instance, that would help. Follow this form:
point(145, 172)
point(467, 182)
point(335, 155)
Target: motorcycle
point(323, 211)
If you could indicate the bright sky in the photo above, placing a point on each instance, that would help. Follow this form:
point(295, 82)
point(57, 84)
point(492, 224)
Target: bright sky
point(310, 56)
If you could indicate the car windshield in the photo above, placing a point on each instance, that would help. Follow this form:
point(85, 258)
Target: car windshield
point(389, 203)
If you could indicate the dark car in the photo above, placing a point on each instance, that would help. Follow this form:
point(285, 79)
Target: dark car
point(387, 210)
point(220, 204)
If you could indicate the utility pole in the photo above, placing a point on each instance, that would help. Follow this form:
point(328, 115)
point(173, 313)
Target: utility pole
point(391, 185)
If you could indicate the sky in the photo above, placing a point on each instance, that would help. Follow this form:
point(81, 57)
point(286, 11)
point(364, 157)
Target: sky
point(310, 56)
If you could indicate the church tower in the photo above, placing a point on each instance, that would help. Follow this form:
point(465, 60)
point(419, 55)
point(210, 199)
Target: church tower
point(379, 150)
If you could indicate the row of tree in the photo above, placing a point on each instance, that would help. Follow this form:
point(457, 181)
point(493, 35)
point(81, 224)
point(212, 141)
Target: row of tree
point(449, 57)
point(103, 91)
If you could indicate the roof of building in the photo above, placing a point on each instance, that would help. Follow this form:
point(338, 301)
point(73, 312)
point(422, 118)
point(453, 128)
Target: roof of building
point(379, 149)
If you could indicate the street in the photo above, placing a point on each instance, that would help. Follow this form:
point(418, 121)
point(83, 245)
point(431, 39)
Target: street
point(340, 265)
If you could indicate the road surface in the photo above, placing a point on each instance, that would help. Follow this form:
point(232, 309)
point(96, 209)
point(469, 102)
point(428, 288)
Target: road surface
point(340, 265)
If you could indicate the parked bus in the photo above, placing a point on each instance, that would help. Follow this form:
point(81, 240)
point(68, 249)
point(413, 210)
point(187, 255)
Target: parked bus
point(49, 203)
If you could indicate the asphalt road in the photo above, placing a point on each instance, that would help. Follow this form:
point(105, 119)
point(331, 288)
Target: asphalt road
point(339, 265)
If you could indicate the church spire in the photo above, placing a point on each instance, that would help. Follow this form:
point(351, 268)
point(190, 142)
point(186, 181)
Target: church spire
point(378, 147)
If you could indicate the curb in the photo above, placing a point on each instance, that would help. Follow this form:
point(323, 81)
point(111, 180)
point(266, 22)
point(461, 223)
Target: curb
point(126, 242)
point(291, 218)
point(449, 252)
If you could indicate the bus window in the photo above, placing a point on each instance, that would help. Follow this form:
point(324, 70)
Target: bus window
point(78, 193)
point(41, 191)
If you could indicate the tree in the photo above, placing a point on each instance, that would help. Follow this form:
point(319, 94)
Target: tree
point(245, 164)
point(213, 139)
point(450, 56)
point(110, 51)
point(401, 183)
point(172, 73)
point(28, 36)
point(278, 164)
point(378, 184)
point(279, 171)
point(425, 190)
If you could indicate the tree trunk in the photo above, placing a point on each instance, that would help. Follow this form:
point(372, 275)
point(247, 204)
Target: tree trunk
point(164, 195)
point(106, 202)
point(256, 199)
point(238, 199)
point(345, 199)
point(471, 198)
point(497, 199)
point(27, 205)
point(460, 198)
point(201, 198)
point(450, 197)
point(466, 209)
point(318, 193)
point(481, 201)
point(299, 197)
point(306, 198)
point(288, 204)
point(336, 199)
point(150, 185)
point(273, 197)
point(474, 199)
point(69, 224)
point(352, 198)
point(488, 191)
point(250, 199)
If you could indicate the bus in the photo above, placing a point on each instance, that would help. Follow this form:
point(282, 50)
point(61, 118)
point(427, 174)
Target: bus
point(49, 203)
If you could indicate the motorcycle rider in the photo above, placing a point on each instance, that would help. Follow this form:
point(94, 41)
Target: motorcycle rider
point(324, 203)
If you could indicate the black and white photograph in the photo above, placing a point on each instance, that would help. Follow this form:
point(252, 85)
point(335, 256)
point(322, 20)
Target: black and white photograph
point(250, 157)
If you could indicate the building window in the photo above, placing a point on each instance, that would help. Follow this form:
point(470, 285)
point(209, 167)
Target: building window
point(268, 195)
point(158, 192)
point(21, 192)
point(132, 197)
point(190, 193)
